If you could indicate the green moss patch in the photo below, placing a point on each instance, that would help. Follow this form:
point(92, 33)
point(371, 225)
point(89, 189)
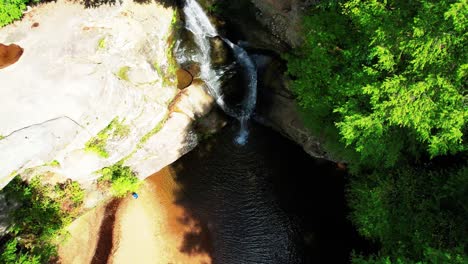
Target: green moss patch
point(115, 129)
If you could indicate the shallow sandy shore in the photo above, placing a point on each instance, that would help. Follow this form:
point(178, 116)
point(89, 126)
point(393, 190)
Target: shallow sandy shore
point(150, 229)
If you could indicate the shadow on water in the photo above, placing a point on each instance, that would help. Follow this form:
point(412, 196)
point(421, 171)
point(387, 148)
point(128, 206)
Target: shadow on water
point(197, 241)
point(106, 233)
point(265, 202)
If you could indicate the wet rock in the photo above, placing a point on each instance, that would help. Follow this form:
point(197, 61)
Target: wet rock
point(193, 68)
point(184, 78)
point(277, 108)
point(9, 54)
point(211, 123)
point(219, 51)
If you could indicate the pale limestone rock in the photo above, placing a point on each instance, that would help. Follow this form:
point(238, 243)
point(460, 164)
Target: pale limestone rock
point(176, 136)
point(81, 69)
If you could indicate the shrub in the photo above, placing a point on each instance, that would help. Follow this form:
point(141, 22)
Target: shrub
point(387, 77)
point(384, 83)
point(121, 179)
point(414, 213)
point(11, 10)
point(43, 213)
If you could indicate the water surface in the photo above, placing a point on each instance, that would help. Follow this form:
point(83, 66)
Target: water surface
point(264, 202)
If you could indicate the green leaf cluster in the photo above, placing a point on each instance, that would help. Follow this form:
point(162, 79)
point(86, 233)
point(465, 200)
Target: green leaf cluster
point(43, 212)
point(115, 129)
point(384, 84)
point(11, 10)
point(389, 76)
point(121, 180)
point(412, 211)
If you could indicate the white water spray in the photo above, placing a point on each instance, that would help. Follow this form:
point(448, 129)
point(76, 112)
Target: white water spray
point(199, 24)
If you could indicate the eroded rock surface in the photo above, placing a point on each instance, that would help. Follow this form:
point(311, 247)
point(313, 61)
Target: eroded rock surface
point(83, 70)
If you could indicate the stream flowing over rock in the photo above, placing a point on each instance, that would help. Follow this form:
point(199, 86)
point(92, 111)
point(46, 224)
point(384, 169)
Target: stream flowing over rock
point(267, 29)
point(94, 76)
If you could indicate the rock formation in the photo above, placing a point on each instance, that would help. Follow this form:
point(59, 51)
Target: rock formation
point(94, 88)
point(9, 54)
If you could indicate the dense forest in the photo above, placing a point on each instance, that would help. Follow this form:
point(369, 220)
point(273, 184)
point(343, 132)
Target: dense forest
point(384, 85)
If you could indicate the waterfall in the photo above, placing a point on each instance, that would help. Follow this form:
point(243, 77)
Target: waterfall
point(248, 104)
point(199, 24)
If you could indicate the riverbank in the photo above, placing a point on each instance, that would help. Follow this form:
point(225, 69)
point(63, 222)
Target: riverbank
point(150, 229)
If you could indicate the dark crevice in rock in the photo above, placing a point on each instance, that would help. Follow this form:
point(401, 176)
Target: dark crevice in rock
point(106, 234)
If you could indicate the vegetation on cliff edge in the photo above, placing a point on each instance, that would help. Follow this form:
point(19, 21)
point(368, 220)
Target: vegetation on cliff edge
point(42, 211)
point(384, 83)
point(120, 179)
point(11, 10)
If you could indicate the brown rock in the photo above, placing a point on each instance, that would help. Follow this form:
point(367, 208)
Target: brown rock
point(184, 78)
point(219, 51)
point(35, 24)
point(341, 166)
point(193, 68)
point(281, 5)
point(9, 54)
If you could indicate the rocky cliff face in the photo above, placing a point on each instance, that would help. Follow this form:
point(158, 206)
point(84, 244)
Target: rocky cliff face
point(92, 88)
point(271, 28)
point(277, 107)
point(283, 18)
point(265, 24)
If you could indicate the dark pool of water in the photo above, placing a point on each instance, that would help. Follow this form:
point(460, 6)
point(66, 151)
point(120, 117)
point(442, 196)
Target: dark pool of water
point(265, 202)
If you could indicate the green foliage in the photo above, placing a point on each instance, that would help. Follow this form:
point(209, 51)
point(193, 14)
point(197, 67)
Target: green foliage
point(431, 256)
point(123, 73)
point(11, 255)
point(388, 76)
point(2, 137)
point(43, 212)
point(414, 213)
point(102, 43)
point(121, 179)
point(54, 163)
point(214, 8)
point(170, 74)
point(384, 84)
point(115, 129)
point(153, 131)
point(11, 10)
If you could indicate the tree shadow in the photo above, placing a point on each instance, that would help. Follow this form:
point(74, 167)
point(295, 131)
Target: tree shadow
point(226, 206)
point(106, 233)
point(197, 241)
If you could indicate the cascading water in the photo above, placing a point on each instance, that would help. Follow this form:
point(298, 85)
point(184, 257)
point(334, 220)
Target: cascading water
point(199, 24)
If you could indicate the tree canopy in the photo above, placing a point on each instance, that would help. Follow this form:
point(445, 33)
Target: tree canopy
point(390, 76)
point(388, 79)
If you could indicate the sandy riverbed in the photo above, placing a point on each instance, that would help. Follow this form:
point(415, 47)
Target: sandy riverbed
point(150, 229)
